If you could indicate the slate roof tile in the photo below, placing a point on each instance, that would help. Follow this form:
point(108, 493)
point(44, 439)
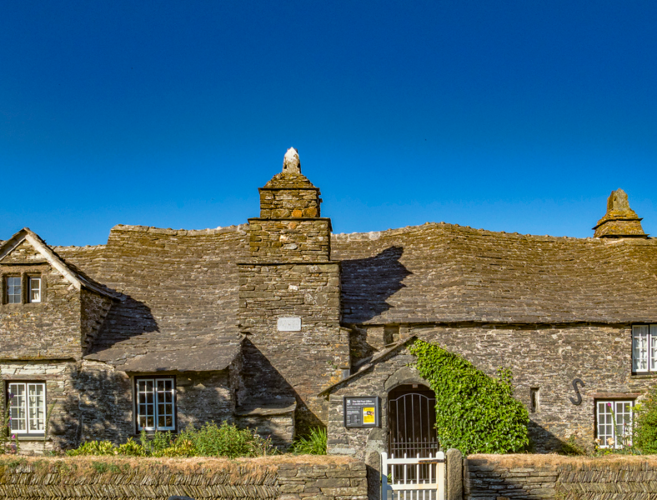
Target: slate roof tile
point(182, 286)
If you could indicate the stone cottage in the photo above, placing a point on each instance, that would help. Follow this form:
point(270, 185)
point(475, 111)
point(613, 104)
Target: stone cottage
point(280, 325)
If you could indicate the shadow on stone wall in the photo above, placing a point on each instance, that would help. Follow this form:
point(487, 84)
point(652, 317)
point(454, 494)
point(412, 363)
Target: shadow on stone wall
point(368, 283)
point(544, 441)
point(264, 384)
point(126, 319)
point(98, 408)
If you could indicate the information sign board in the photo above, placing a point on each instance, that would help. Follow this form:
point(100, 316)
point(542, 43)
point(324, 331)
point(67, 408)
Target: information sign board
point(362, 411)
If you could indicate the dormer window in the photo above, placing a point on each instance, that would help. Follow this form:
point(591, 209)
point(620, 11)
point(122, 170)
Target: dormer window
point(14, 290)
point(34, 288)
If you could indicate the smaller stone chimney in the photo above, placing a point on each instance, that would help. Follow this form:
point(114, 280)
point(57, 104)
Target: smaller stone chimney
point(620, 221)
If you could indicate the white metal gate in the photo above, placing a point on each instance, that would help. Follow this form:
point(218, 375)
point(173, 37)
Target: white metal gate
point(413, 478)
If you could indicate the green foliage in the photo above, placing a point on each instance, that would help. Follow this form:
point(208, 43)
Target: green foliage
point(312, 444)
point(224, 441)
point(210, 440)
point(131, 449)
point(95, 448)
point(474, 412)
point(100, 467)
point(645, 424)
point(572, 447)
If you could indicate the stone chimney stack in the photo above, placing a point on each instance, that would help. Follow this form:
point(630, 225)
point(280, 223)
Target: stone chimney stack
point(290, 298)
point(620, 221)
point(290, 228)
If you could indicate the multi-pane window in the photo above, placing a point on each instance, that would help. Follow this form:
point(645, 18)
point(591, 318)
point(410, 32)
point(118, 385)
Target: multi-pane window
point(614, 421)
point(14, 290)
point(155, 404)
point(27, 407)
point(34, 287)
point(644, 348)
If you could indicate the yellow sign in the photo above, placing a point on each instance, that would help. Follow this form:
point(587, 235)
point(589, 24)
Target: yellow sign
point(368, 415)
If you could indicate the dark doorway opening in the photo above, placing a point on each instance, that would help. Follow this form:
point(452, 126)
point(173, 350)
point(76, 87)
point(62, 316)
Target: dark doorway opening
point(412, 421)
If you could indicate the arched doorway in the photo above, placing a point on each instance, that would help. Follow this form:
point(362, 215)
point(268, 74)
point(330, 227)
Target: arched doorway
point(411, 421)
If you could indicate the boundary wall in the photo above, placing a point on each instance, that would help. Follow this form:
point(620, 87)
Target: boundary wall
point(100, 478)
point(529, 477)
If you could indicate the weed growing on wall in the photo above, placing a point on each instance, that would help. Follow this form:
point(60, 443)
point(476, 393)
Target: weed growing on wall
point(475, 413)
point(645, 424)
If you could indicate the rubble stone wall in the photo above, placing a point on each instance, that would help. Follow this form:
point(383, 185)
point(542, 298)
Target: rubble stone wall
point(530, 477)
point(60, 392)
point(282, 203)
point(549, 359)
point(47, 329)
point(290, 240)
point(99, 478)
point(298, 363)
point(546, 359)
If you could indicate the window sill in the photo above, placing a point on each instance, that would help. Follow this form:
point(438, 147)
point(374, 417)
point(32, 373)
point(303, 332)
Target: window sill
point(648, 375)
point(36, 437)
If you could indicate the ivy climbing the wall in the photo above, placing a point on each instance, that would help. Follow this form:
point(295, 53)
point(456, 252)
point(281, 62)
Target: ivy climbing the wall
point(475, 413)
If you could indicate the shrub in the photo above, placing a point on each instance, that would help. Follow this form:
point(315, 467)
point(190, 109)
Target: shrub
point(475, 413)
point(312, 444)
point(224, 441)
point(645, 424)
point(210, 440)
point(93, 448)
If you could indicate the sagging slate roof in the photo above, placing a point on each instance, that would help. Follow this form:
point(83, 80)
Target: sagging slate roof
point(447, 273)
point(179, 302)
point(179, 289)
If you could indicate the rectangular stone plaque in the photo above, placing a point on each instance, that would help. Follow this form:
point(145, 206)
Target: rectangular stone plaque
point(292, 324)
point(361, 411)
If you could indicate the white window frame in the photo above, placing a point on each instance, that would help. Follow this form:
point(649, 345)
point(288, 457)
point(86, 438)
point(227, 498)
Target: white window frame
point(28, 407)
point(20, 289)
point(644, 348)
point(604, 422)
point(155, 401)
point(31, 280)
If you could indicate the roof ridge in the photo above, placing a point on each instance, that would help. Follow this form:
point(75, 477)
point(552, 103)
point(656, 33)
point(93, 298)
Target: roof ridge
point(76, 247)
point(375, 235)
point(179, 232)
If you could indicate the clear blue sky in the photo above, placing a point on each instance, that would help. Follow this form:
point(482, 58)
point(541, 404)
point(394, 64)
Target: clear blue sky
point(508, 115)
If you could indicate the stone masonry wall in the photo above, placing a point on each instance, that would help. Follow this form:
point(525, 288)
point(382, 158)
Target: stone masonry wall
point(107, 401)
point(368, 443)
point(549, 359)
point(59, 378)
point(285, 203)
point(532, 477)
point(298, 364)
point(94, 401)
point(204, 397)
point(302, 240)
point(100, 478)
point(47, 329)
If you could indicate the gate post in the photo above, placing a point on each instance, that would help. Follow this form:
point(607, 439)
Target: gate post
point(384, 476)
point(454, 460)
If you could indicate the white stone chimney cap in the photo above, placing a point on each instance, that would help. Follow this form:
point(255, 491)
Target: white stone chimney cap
point(291, 162)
